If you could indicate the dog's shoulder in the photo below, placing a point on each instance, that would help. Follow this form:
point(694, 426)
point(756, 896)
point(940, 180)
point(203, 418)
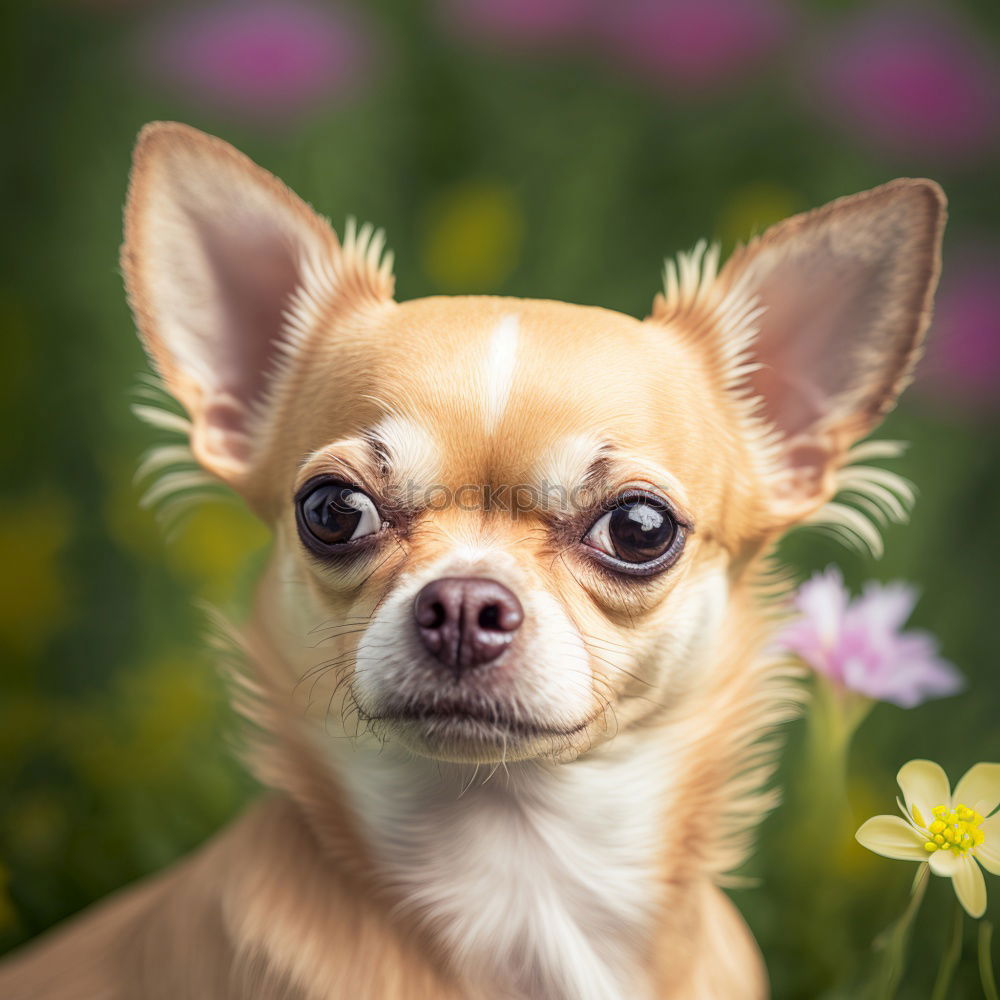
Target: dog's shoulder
point(259, 910)
point(129, 945)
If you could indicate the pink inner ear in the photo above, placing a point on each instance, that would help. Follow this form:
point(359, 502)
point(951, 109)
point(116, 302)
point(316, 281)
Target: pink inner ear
point(823, 313)
point(254, 275)
point(224, 431)
point(214, 255)
point(845, 292)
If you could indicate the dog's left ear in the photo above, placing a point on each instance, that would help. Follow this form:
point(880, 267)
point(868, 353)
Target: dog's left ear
point(228, 274)
point(846, 294)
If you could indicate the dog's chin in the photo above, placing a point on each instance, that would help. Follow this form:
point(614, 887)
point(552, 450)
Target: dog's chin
point(477, 735)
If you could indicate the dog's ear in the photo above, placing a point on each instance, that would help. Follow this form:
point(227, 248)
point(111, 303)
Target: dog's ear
point(226, 272)
point(844, 295)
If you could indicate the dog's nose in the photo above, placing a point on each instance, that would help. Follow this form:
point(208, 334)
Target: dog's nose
point(466, 621)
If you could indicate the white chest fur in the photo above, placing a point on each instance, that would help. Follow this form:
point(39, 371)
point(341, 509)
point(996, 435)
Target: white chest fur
point(540, 880)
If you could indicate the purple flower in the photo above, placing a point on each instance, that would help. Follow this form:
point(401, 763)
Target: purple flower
point(269, 60)
point(524, 23)
point(695, 44)
point(962, 366)
point(912, 82)
point(860, 644)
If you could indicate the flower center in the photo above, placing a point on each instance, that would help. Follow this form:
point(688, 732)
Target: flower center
point(956, 830)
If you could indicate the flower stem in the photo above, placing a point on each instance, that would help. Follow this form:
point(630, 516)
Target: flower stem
point(894, 961)
point(949, 960)
point(822, 781)
point(986, 960)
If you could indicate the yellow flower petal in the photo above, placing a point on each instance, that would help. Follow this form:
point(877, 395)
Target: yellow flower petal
point(892, 837)
point(988, 852)
point(970, 886)
point(979, 789)
point(924, 785)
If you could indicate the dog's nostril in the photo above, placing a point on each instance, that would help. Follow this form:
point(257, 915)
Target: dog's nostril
point(430, 614)
point(489, 617)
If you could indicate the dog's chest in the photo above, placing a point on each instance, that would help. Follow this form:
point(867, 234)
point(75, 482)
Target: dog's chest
point(539, 884)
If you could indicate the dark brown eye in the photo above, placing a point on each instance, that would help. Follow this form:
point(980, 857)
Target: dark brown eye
point(638, 531)
point(335, 513)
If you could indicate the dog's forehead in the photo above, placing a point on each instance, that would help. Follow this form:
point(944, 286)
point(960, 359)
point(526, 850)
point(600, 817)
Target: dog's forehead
point(496, 382)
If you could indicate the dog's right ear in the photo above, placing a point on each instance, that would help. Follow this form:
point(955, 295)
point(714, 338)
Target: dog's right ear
point(227, 273)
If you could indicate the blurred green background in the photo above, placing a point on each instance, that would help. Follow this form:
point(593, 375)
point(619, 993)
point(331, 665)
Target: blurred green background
point(548, 148)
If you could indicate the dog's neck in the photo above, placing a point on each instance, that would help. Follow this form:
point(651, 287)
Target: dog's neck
point(545, 875)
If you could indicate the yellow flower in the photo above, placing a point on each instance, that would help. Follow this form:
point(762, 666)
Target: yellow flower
point(951, 832)
point(473, 237)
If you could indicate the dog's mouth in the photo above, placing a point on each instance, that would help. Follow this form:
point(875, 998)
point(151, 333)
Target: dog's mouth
point(459, 728)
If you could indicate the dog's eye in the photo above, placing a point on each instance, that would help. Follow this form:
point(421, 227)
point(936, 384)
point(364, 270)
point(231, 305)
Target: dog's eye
point(640, 530)
point(334, 513)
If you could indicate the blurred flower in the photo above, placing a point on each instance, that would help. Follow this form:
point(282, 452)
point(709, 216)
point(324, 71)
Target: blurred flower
point(914, 82)
point(963, 358)
point(214, 545)
point(860, 644)
point(947, 831)
point(264, 59)
point(753, 208)
point(530, 23)
point(141, 729)
point(695, 43)
point(473, 237)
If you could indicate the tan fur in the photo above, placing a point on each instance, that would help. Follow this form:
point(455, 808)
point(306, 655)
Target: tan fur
point(295, 900)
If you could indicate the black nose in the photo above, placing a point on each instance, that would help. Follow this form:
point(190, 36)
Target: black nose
point(466, 621)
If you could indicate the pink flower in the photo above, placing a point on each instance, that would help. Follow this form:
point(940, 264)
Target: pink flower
point(524, 23)
point(912, 82)
point(695, 44)
point(860, 644)
point(265, 59)
point(962, 366)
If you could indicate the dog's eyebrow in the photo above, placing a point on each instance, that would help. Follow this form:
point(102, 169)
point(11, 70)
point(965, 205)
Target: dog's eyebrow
point(571, 462)
point(581, 461)
point(404, 451)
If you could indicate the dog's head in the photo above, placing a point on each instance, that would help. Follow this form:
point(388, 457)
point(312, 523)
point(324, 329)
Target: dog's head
point(511, 527)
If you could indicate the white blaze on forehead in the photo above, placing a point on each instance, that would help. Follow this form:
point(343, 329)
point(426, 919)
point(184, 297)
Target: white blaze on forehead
point(501, 359)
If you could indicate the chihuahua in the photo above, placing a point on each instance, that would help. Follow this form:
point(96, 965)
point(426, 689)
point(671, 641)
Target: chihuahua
point(509, 671)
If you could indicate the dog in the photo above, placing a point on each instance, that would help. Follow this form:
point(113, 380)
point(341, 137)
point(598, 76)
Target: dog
point(509, 672)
